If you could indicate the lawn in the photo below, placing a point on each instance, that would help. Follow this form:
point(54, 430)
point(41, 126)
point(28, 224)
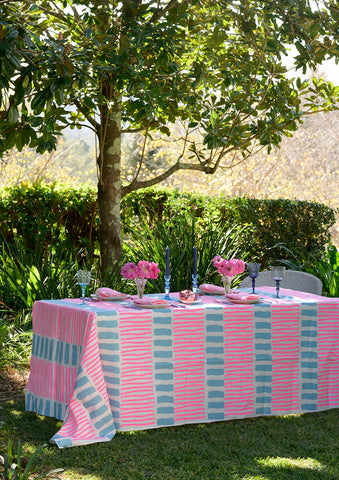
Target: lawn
point(275, 448)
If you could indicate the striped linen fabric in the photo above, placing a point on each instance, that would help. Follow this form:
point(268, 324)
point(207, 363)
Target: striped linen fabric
point(103, 368)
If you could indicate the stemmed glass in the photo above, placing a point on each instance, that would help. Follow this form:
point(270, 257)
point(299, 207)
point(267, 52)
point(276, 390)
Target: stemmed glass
point(253, 271)
point(278, 274)
point(84, 279)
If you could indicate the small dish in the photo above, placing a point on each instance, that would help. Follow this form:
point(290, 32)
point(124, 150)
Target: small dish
point(243, 301)
point(190, 303)
point(152, 306)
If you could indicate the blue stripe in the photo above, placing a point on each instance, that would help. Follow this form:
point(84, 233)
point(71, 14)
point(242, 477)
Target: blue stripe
point(163, 365)
point(263, 368)
point(215, 371)
point(262, 325)
point(109, 346)
point(215, 361)
point(103, 421)
point(263, 335)
point(309, 333)
point(163, 354)
point(309, 406)
point(309, 313)
point(216, 394)
point(216, 416)
point(261, 314)
point(107, 323)
point(215, 350)
point(214, 339)
point(263, 346)
point(162, 331)
point(164, 376)
point(84, 393)
point(165, 422)
point(163, 342)
point(165, 399)
point(162, 320)
point(164, 388)
point(108, 336)
point(216, 405)
point(165, 410)
point(98, 412)
point(214, 328)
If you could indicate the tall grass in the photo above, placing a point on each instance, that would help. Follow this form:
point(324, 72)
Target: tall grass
point(181, 236)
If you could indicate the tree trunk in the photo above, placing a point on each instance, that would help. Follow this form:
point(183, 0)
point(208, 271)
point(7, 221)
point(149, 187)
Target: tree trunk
point(109, 186)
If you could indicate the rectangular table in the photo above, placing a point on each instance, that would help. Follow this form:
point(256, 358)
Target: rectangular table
point(102, 368)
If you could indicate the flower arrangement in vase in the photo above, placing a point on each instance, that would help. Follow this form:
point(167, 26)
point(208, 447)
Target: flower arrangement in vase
point(140, 273)
point(227, 270)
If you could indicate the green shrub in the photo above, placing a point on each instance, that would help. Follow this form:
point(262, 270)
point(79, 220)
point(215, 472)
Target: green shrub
point(40, 216)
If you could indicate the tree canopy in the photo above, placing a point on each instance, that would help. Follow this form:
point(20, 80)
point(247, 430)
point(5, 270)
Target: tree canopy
point(141, 65)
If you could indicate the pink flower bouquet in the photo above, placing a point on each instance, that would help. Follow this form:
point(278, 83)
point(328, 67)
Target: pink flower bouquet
point(140, 273)
point(227, 269)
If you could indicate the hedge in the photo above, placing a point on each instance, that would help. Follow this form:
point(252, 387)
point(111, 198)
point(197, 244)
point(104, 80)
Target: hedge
point(44, 215)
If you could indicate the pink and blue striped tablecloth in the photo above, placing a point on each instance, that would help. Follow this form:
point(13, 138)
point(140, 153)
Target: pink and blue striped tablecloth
point(103, 368)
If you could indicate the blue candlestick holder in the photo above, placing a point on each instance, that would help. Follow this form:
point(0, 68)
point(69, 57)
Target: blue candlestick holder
point(167, 286)
point(195, 283)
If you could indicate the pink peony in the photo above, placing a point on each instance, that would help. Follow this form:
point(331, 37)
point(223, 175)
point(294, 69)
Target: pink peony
point(216, 260)
point(143, 269)
point(153, 270)
point(228, 268)
point(241, 266)
point(129, 271)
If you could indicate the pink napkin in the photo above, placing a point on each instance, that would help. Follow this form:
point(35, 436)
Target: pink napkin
point(108, 292)
point(210, 288)
point(243, 296)
point(150, 301)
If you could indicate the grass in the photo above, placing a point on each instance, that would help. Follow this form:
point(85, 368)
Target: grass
point(298, 447)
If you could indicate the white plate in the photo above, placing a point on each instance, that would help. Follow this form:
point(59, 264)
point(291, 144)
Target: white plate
point(116, 298)
point(204, 292)
point(190, 303)
point(155, 305)
point(243, 302)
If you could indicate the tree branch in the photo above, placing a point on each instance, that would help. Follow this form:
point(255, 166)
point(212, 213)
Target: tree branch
point(90, 119)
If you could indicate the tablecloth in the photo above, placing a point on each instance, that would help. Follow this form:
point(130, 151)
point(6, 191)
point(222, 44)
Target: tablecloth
point(102, 368)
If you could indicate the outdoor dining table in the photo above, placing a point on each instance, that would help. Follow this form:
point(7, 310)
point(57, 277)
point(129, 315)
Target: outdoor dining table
point(103, 367)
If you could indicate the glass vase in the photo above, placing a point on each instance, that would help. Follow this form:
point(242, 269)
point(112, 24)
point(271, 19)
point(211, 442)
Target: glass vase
point(140, 283)
point(227, 283)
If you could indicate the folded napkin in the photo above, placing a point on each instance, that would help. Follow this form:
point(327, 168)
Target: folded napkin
point(210, 288)
point(150, 301)
point(105, 292)
point(243, 296)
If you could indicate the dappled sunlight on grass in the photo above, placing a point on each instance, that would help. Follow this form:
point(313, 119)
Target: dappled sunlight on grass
point(283, 462)
point(298, 447)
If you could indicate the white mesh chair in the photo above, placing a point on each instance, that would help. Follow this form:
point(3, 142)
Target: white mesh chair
point(293, 279)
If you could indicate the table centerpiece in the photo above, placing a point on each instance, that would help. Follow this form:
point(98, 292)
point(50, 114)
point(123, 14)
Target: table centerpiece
point(140, 273)
point(228, 269)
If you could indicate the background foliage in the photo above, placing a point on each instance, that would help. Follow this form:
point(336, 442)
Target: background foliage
point(42, 215)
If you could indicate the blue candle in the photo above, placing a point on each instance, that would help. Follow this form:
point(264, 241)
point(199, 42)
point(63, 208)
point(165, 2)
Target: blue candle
point(167, 261)
point(194, 260)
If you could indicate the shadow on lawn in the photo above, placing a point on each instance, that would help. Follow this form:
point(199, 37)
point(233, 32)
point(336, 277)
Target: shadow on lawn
point(276, 448)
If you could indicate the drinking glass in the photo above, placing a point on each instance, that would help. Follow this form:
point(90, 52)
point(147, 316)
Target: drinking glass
point(84, 279)
point(277, 275)
point(253, 271)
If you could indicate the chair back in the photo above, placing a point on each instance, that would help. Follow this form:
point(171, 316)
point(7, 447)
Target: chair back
point(293, 280)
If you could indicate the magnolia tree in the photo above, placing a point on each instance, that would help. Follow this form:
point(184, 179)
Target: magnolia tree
point(127, 66)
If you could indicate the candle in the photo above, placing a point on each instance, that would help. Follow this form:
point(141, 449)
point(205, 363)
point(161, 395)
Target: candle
point(167, 262)
point(194, 260)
